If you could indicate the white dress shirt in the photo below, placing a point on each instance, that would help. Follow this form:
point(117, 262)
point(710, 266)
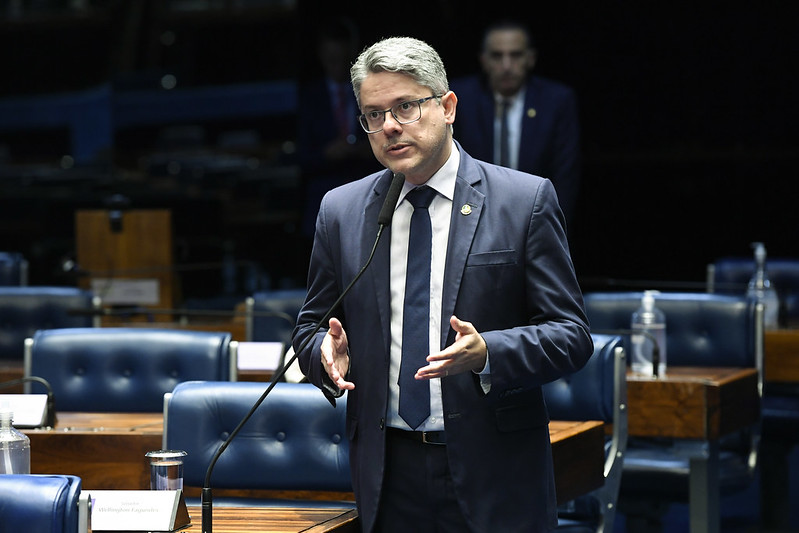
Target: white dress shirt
point(440, 211)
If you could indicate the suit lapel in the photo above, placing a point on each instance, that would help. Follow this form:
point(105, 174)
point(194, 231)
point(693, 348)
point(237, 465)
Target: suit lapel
point(531, 127)
point(467, 205)
point(379, 271)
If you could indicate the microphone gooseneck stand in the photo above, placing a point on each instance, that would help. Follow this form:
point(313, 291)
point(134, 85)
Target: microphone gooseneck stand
point(50, 418)
point(383, 221)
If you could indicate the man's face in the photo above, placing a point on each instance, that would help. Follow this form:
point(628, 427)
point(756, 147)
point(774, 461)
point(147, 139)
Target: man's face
point(417, 149)
point(506, 60)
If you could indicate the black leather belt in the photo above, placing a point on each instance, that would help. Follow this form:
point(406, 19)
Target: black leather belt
point(426, 437)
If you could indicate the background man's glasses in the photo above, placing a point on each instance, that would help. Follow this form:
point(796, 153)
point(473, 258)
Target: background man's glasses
point(403, 113)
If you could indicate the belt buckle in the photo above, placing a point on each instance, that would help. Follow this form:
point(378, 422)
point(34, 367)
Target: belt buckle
point(425, 441)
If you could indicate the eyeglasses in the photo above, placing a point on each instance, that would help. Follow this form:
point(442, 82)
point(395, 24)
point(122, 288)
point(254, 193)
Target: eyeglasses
point(404, 113)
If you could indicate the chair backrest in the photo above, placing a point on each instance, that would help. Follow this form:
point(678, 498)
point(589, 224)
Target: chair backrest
point(295, 440)
point(124, 369)
point(731, 275)
point(24, 310)
point(598, 391)
point(38, 502)
point(271, 315)
point(701, 329)
point(13, 269)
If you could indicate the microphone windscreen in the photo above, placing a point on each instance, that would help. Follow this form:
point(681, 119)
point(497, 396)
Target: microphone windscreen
point(387, 211)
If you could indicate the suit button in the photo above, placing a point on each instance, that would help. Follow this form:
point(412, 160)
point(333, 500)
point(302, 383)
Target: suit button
point(382, 424)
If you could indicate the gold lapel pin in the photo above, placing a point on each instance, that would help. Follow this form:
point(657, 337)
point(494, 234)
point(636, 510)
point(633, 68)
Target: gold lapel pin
point(466, 209)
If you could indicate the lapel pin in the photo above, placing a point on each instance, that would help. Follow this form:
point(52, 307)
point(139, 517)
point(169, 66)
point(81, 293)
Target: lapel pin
point(531, 112)
point(466, 209)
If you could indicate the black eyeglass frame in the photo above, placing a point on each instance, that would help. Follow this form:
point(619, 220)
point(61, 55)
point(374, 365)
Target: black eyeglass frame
point(419, 102)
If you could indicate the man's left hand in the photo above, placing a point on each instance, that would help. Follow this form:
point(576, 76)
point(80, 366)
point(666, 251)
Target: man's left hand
point(467, 353)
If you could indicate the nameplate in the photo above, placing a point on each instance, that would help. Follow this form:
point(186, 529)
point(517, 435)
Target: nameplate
point(259, 355)
point(29, 410)
point(138, 510)
point(121, 291)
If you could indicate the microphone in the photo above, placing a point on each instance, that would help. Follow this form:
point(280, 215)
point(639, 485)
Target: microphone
point(390, 203)
point(383, 221)
point(50, 415)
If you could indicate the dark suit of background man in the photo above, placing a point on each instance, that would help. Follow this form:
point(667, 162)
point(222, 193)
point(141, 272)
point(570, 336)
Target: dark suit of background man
point(332, 146)
point(505, 316)
point(544, 129)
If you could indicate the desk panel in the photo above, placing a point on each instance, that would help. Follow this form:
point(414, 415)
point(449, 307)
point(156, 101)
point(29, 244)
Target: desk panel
point(277, 520)
point(698, 406)
point(781, 356)
point(107, 451)
point(692, 402)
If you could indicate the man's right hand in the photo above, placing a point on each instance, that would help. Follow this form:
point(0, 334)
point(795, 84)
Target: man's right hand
point(335, 355)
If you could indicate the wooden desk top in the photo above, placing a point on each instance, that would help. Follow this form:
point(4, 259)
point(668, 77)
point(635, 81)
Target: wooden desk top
point(781, 356)
point(107, 451)
point(277, 520)
point(692, 402)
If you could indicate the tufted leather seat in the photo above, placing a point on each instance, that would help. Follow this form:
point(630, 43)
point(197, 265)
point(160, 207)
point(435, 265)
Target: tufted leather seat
point(13, 269)
point(295, 441)
point(597, 391)
point(731, 275)
point(284, 305)
point(124, 369)
point(701, 330)
point(780, 411)
point(23, 310)
point(37, 502)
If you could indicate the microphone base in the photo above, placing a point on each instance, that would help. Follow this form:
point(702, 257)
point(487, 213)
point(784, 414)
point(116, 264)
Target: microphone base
point(207, 510)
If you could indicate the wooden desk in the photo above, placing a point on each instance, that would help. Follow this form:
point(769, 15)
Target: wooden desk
point(14, 370)
point(781, 356)
point(277, 520)
point(106, 450)
point(692, 402)
point(11, 370)
point(578, 453)
point(697, 405)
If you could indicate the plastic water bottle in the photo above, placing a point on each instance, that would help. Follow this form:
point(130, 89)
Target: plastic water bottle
point(15, 447)
point(649, 327)
point(761, 290)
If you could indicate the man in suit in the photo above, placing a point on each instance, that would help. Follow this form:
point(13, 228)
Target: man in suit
point(503, 314)
point(332, 147)
point(541, 125)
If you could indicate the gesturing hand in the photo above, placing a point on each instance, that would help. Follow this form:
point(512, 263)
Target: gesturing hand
point(335, 354)
point(467, 353)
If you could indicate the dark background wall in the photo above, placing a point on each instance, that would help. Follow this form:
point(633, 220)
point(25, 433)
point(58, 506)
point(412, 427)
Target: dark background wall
point(689, 113)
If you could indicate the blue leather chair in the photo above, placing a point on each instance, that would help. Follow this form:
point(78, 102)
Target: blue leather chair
point(701, 330)
point(13, 269)
point(271, 315)
point(780, 410)
point(125, 369)
point(598, 391)
point(39, 503)
point(24, 310)
point(295, 441)
point(731, 275)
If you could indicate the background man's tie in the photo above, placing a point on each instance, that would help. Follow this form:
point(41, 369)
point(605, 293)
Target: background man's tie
point(504, 151)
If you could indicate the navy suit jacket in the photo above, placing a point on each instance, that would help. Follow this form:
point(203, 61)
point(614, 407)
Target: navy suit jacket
point(550, 141)
point(508, 271)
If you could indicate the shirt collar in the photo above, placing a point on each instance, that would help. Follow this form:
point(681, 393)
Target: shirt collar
point(443, 181)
